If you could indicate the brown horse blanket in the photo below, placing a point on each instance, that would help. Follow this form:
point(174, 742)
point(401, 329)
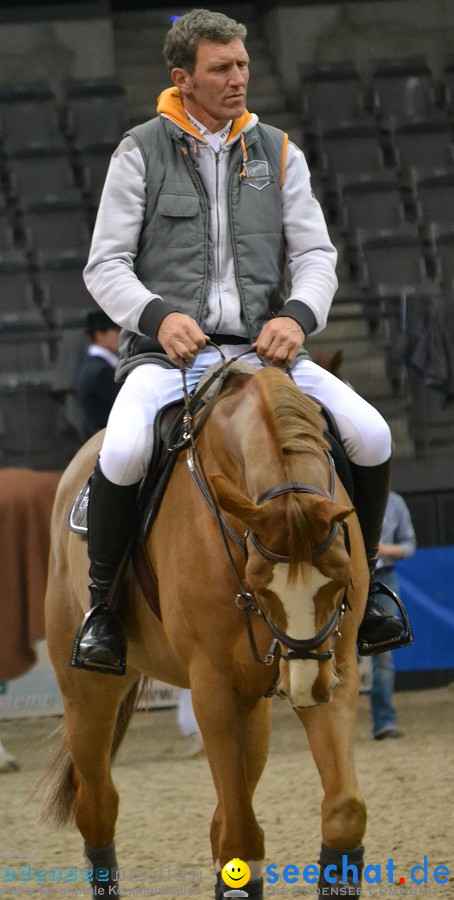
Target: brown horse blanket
point(26, 499)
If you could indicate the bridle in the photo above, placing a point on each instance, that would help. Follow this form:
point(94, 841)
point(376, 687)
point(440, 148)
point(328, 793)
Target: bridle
point(302, 648)
point(298, 648)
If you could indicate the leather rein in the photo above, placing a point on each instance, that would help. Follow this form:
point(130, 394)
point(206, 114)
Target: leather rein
point(298, 648)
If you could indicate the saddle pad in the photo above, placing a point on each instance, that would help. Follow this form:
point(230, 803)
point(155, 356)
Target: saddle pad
point(235, 367)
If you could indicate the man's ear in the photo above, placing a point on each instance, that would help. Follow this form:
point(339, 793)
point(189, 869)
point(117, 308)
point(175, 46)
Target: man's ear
point(180, 78)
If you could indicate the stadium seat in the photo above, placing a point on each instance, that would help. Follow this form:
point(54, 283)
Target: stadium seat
point(29, 117)
point(393, 259)
point(95, 162)
point(425, 144)
point(16, 288)
point(57, 229)
point(62, 287)
point(443, 243)
point(95, 113)
point(350, 147)
point(448, 84)
point(20, 355)
point(434, 194)
point(370, 202)
point(8, 249)
point(331, 92)
point(41, 175)
point(403, 87)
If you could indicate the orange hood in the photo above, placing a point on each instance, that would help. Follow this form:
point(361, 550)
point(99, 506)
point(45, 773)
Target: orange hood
point(170, 105)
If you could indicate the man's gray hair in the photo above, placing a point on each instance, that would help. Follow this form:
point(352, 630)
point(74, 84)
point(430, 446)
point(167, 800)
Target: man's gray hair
point(180, 45)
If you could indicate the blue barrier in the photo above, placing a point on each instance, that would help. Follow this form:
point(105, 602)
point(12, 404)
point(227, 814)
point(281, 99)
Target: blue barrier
point(427, 590)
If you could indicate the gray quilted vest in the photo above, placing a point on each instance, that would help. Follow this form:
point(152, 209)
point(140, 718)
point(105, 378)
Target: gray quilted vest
point(174, 241)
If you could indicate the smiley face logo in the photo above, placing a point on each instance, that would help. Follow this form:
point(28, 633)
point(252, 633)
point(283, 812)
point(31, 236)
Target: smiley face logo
point(236, 873)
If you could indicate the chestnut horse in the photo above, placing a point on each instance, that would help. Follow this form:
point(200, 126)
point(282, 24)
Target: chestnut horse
point(260, 572)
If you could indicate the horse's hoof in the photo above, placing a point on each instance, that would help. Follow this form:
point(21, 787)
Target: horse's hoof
point(103, 861)
point(253, 890)
point(336, 858)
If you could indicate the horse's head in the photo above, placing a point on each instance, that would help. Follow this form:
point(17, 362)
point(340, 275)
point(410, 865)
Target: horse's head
point(302, 597)
point(298, 566)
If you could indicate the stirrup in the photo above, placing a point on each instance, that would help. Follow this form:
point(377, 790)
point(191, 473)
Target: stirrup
point(404, 639)
point(79, 663)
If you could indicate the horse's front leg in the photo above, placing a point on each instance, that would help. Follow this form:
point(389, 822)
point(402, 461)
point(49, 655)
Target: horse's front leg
point(331, 730)
point(236, 735)
point(91, 705)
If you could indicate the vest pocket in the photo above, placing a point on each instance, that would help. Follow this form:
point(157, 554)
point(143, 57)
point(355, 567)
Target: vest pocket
point(177, 220)
point(184, 205)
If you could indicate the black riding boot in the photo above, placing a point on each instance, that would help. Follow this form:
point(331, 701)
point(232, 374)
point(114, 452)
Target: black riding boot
point(371, 489)
point(101, 643)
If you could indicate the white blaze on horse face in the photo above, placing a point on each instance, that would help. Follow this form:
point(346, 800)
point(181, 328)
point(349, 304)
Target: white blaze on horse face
point(298, 602)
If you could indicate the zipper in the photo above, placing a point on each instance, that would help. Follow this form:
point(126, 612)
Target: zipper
point(196, 179)
point(231, 176)
point(217, 266)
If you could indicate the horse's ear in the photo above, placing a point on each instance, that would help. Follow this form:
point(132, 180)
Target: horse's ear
point(336, 362)
point(232, 500)
point(326, 510)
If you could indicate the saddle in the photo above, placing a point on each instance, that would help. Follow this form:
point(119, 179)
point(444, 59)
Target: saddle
point(168, 440)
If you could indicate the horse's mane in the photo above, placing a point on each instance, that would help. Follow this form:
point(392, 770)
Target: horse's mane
point(294, 418)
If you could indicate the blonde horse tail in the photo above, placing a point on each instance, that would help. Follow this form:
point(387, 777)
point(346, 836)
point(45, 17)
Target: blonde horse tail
point(56, 786)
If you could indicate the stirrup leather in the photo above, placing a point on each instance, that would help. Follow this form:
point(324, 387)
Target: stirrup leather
point(79, 663)
point(404, 639)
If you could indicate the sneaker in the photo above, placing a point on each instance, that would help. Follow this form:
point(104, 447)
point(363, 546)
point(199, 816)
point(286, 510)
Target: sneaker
point(391, 732)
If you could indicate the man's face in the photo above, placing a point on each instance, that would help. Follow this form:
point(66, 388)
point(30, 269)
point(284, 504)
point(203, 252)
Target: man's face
point(216, 90)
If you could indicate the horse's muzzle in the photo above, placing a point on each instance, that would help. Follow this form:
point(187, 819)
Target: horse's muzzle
point(305, 683)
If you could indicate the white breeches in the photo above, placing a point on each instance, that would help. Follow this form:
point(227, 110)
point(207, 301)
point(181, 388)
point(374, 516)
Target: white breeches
point(128, 442)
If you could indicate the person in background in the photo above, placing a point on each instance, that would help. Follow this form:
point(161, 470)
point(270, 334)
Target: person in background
point(187, 724)
point(95, 387)
point(7, 762)
point(398, 541)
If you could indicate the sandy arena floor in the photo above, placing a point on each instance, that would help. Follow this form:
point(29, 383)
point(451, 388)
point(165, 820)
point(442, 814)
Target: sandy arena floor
point(167, 801)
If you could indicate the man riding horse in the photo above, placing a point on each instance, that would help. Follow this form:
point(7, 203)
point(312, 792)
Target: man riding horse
point(208, 229)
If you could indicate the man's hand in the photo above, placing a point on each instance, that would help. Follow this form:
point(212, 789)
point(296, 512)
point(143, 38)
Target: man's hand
point(279, 340)
point(181, 337)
